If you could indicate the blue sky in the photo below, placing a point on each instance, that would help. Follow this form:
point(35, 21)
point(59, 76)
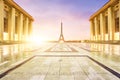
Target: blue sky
point(73, 13)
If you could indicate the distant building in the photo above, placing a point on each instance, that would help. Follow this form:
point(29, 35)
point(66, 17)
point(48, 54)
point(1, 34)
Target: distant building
point(61, 38)
point(15, 22)
point(105, 23)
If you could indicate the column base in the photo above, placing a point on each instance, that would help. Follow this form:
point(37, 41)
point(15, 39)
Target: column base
point(106, 42)
point(11, 42)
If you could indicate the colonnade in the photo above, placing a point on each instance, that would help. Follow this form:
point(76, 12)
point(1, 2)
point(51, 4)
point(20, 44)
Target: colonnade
point(105, 23)
point(15, 23)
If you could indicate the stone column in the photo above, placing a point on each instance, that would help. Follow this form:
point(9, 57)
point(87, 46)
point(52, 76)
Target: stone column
point(91, 30)
point(1, 19)
point(99, 29)
point(96, 28)
point(11, 22)
point(31, 27)
point(119, 19)
point(26, 28)
point(111, 27)
point(20, 27)
point(102, 26)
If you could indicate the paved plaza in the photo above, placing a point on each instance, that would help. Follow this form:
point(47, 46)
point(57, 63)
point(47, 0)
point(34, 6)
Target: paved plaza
point(67, 61)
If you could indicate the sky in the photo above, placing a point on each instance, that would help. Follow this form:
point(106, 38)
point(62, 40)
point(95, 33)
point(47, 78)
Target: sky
point(48, 15)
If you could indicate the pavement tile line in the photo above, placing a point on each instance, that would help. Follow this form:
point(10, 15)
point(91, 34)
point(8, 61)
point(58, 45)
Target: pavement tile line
point(100, 64)
point(15, 67)
point(49, 49)
point(105, 67)
point(88, 50)
point(61, 56)
point(117, 74)
point(33, 50)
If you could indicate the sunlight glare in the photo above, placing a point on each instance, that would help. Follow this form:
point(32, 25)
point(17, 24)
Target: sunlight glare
point(37, 40)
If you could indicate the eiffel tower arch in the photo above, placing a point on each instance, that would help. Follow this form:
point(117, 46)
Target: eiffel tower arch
point(61, 38)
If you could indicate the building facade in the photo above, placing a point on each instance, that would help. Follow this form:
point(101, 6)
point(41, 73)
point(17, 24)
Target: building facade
point(15, 22)
point(105, 23)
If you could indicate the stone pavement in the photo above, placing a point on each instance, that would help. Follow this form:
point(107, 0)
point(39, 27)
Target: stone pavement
point(66, 61)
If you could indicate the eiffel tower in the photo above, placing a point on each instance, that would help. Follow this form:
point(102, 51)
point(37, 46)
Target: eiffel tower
point(61, 38)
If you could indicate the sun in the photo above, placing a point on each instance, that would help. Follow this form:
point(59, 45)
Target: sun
point(37, 39)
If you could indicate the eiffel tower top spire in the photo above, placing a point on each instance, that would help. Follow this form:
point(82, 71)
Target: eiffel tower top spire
point(61, 38)
point(61, 28)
